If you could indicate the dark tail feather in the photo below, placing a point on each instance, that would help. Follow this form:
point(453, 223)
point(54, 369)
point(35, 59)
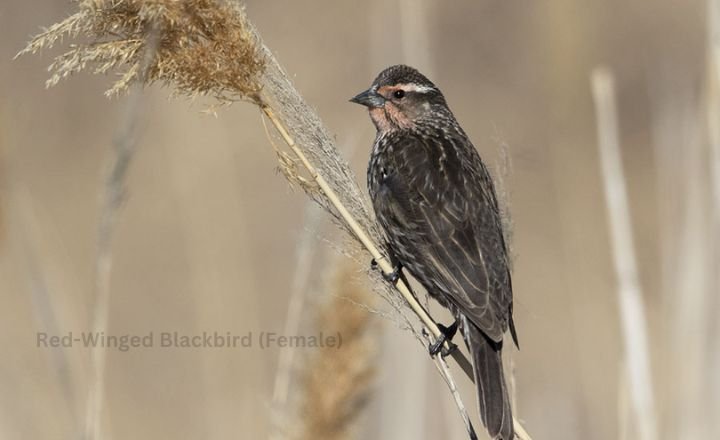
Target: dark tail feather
point(493, 399)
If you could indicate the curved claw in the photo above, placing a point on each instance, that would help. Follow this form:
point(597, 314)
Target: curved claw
point(438, 347)
point(446, 335)
point(391, 277)
point(448, 351)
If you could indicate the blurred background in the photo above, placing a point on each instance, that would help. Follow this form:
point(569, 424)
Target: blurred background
point(211, 238)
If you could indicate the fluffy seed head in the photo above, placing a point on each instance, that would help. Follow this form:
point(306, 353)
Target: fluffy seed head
point(198, 47)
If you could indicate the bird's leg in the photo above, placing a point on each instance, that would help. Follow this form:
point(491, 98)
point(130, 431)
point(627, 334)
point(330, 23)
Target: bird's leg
point(446, 335)
point(391, 277)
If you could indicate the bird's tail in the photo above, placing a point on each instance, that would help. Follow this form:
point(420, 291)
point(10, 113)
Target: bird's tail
point(492, 392)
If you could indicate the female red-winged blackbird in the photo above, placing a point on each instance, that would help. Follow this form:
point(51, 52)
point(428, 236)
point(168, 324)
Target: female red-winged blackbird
point(436, 201)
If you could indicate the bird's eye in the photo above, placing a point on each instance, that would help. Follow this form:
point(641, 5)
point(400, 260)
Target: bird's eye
point(399, 94)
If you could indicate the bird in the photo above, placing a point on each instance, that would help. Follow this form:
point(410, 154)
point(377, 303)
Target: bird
point(436, 203)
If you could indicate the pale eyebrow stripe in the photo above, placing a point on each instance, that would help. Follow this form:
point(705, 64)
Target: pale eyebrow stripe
point(416, 88)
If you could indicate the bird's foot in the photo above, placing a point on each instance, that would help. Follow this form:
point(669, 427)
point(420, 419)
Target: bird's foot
point(446, 335)
point(391, 277)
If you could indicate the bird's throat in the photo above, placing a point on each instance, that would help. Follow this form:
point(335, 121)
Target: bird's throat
point(389, 118)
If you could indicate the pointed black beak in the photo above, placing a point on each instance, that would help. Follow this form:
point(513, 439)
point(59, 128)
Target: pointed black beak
point(369, 98)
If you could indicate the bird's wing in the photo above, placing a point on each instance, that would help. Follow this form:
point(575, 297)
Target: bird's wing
point(439, 208)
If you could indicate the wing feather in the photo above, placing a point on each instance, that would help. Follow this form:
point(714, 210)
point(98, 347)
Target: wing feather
point(441, 215)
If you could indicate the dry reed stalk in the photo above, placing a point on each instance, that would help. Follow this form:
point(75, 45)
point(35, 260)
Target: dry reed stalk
point(713, 121)
point(713, 99)
point(305, 255)
point(16, 201)
point(688, 240)
point(208, 47)
point(44, 308)
point(632, 309)
point(623, 407)
point(124, 143)
point(335, 381)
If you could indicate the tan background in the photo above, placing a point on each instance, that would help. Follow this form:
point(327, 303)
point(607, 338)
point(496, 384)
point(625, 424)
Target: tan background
point(206, 239)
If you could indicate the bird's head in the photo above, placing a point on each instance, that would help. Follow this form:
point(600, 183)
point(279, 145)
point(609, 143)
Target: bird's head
point(399, 97)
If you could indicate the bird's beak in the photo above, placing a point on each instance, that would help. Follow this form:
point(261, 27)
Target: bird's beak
point(369, 98)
